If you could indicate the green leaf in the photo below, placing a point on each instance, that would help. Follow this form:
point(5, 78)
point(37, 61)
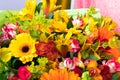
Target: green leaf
point(50, 16)
point(38, 7)
point(82, 38)
point(95, 45)
point(42, 61)
point(105, 44)
point(86, 76)
point(115, 77)
point(7, 16)
point(24, 24)
point(84, 54)
point(3, 76)
point(92, 10)
point(35, 33)
point(93, 57)
point(69, 24)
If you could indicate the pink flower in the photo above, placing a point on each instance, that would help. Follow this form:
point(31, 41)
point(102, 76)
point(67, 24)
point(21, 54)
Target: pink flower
point(8, 31)
point(78, 23)
point(24, 73)
point(75, 45)
point(69, 63)
point(113, 65)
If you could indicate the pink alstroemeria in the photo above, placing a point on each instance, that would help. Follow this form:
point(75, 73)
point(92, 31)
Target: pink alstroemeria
point(78, 23)
point(69, 63)
point(113, 65)
point(75, 45)
point(8, 31)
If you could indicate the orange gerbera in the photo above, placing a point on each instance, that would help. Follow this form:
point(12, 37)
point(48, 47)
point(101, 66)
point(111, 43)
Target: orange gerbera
point(60, 74)
point(115, 52)
point(104, 34)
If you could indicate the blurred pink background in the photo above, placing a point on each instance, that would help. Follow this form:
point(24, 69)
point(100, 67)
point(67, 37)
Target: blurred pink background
point(109, 8)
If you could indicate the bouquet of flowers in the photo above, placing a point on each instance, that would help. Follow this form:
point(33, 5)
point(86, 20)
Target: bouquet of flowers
point(40, 42)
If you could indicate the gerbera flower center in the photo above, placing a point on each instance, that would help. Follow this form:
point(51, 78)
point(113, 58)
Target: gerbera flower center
point(25, 49)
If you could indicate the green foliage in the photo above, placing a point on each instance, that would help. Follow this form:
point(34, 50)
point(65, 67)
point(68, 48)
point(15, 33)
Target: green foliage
point(93, 57)
point(92, 10)
point(86, 76)
point(95, 46)
point(115, 77)
point(37, 70)
point(84, 54)
point(38, 7)
point(35, 33)
point(3, 70)
point(24, 24)
point(82, 38)
point(41, 20)
point(42, 61)
point(69, 24)
point(7, 17)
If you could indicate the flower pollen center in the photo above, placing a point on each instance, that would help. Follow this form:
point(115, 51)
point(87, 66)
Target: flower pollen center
point(25, 49)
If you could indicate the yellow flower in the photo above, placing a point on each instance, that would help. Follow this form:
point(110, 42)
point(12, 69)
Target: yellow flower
point(63, 44)
point(59, 74)
point(27, 13)
point(59, 26)
point(23, 47)
point(92, 64)
point(49, 6)
point(5, 54)
point(61, 16)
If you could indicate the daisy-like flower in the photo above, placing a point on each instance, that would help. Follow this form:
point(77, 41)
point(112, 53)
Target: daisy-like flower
point(23, 47)
point(60, 74)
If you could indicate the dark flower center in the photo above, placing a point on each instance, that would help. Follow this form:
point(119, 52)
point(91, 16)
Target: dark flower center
point(25, 49)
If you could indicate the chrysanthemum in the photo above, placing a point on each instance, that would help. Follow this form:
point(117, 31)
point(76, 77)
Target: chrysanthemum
point(59, 74)
point(23, 47)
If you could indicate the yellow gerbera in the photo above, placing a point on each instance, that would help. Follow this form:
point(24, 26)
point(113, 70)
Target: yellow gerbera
point(60, 74)
point(23, 47)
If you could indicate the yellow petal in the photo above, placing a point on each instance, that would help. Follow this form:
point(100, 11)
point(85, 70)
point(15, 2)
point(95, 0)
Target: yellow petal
point(5, 54)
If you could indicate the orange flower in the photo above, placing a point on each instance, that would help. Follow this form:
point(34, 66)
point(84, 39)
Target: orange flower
point(104, 34)
point(47, 49)
point(115, 52)
point(95, 74)
point(92, 64)
point(60, 74)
